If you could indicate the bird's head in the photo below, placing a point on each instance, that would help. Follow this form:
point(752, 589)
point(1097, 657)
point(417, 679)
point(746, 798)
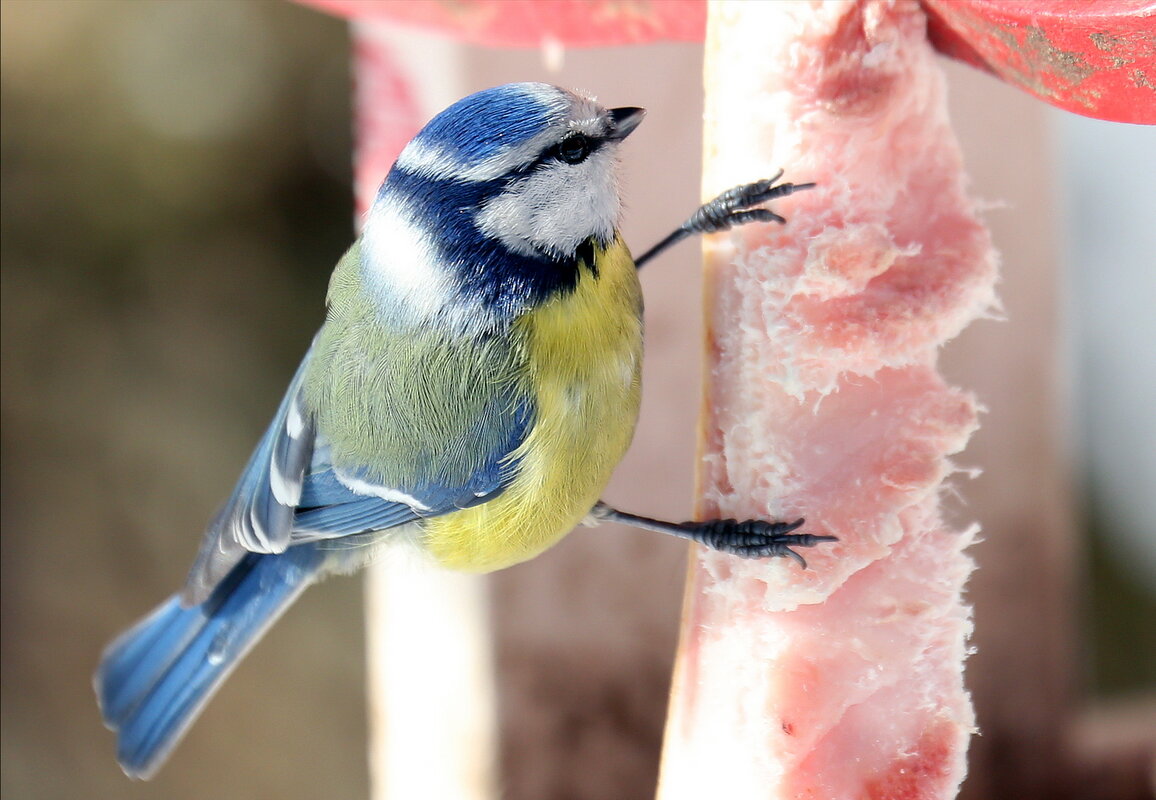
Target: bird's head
point(495, 198)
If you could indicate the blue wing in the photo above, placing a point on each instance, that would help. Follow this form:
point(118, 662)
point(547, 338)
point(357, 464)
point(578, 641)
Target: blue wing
point(290, 493)
point(258, 516)
point(261, 551)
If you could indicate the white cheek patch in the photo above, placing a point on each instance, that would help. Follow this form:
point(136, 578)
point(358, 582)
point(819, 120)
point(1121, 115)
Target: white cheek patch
point(557, 207)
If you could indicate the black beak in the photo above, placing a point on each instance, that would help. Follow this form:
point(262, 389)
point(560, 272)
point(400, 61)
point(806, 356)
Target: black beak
point(623, 121)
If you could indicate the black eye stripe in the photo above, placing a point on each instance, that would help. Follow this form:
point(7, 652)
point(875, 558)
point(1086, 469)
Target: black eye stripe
point(553, 153)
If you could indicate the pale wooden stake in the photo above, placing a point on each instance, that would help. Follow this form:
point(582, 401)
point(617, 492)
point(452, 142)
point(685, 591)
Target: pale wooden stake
point(430, 660)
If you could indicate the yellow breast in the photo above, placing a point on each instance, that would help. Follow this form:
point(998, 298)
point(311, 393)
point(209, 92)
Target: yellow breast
point(584, 351)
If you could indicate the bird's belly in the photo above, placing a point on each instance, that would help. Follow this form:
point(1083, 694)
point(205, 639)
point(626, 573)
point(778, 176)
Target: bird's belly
point(584, 351)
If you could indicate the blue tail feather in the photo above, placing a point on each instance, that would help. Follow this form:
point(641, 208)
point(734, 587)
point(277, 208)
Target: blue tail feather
point(154, 680)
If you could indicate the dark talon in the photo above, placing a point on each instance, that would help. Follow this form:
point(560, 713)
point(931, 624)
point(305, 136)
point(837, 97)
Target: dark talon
point(732, 208)
point(754, 215)
point(752, 538)
point(802, 561)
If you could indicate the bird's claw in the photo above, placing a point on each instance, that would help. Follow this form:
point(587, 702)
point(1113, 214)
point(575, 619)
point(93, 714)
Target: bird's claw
point(736, 206)
point(755, 538)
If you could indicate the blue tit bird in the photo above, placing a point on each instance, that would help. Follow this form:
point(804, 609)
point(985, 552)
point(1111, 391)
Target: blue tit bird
point(473, 386)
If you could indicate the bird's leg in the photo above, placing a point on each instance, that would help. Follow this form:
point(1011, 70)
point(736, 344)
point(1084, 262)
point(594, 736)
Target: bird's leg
point(750, 538)
point(731, 208)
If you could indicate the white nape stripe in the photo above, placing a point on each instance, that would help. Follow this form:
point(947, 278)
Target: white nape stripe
point(358, 486)
point(399, 255)
point(403, 273)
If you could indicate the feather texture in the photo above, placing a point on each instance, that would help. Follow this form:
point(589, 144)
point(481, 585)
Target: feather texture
point(474, 384)
point(258, 516)
point(583, 358)
point(155, 679)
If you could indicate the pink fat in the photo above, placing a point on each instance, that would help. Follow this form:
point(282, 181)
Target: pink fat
point(823, 400)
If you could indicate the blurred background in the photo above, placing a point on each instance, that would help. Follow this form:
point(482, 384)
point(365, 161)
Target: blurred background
point(175, 190)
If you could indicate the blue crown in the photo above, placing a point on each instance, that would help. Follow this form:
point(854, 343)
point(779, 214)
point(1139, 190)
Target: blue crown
point(493, 120)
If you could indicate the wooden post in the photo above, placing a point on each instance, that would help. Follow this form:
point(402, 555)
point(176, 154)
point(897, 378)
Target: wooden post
point(430, 661)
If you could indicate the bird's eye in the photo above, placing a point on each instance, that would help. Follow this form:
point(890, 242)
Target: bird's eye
point(574, 149)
